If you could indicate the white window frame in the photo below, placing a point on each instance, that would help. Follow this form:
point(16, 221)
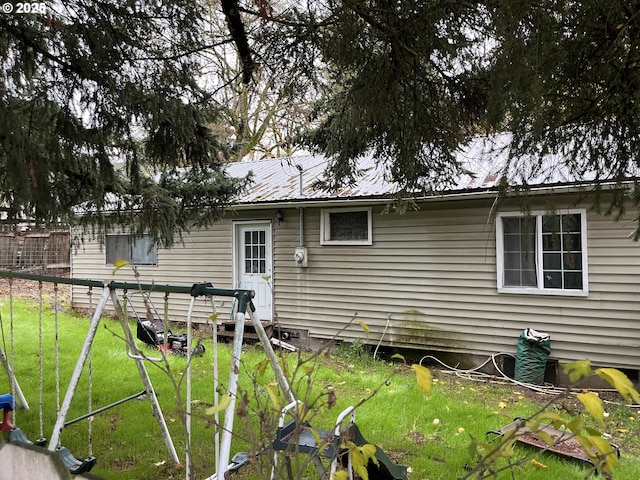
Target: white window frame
point(325, 226)
point(539, 289)
point(151, 256)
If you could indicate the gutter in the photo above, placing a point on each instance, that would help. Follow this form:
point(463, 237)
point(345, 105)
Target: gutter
point(375, 200)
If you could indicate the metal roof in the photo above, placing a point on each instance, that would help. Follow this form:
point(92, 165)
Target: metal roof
point(486, 159)
point(293, 178)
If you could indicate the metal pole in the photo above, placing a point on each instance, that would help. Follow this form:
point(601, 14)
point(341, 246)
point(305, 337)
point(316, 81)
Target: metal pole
point(51, 279)
point(227, 429)
point(18, 391)
point(301, 227)
point(188, 405)
point(106, 407)
point(196, 290)
point(216, 399)
point(271, 355)
point(144, 376)
point(75, 377)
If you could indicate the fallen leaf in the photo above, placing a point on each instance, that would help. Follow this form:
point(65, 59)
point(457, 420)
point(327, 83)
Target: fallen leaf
point(537, 464)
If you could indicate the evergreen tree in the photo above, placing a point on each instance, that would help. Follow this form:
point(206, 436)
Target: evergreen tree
point(101, 105)
point(101, 111)
point(565, 78)
point(413, 80)
point(402, 79)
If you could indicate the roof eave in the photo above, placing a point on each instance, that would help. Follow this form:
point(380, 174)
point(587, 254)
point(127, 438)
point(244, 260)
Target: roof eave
point(477, 193)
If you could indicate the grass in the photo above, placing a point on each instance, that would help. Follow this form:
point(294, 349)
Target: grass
point(431, 434)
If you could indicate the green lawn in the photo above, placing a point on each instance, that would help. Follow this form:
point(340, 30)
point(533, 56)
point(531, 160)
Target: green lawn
point(431, 435)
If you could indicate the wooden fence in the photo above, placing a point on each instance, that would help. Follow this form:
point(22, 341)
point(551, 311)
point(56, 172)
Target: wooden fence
point(35, 251)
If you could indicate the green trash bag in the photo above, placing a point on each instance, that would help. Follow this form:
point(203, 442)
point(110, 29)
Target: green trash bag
point(531, 356)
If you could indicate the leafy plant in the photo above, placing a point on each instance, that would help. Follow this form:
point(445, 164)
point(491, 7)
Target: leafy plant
point(265, 403)
point(425, 429)
point(355, 349)
point(597, 449)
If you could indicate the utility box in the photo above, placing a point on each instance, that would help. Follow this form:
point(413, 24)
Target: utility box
point(300, 257)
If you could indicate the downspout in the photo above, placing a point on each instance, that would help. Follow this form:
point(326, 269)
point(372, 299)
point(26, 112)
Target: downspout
point(301, 193)
point(300, 254)
point(301, 226)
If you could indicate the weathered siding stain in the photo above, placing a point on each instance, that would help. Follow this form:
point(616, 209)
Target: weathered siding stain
point(441, 262)
point(432, 270)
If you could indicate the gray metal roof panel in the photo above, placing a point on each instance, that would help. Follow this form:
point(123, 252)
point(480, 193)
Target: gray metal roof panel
point(486, 159)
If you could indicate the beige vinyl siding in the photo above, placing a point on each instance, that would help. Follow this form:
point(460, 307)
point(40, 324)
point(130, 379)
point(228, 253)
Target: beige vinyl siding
point(432, 270)
point(414, 263)
point(204, 256)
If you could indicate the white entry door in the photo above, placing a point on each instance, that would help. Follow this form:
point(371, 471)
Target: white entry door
point(254, 267)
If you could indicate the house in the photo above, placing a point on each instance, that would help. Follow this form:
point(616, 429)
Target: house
point(461, 272)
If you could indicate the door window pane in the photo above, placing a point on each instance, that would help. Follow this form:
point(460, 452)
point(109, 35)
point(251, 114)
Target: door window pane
point(255, 251)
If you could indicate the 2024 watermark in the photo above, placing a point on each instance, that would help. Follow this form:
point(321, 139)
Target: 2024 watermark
point(24, 7)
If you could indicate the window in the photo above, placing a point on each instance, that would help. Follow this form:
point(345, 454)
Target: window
point(542, 253)
point(139, 250)
point(255, 251)
point(345, 227)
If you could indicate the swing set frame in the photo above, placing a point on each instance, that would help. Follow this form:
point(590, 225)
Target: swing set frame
point(243, 299)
